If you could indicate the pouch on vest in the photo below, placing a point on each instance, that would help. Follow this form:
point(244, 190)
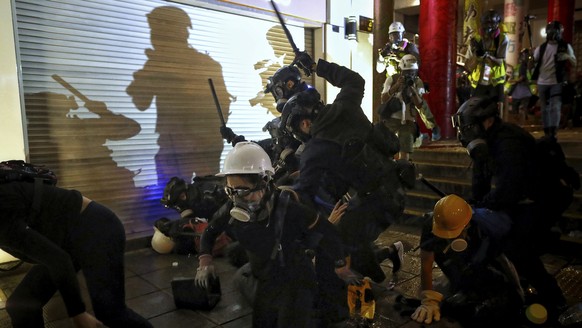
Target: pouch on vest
point(187, 295)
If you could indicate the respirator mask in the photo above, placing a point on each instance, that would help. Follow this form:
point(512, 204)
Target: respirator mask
point(472, 137)
point(244, 210)
point(458, 244)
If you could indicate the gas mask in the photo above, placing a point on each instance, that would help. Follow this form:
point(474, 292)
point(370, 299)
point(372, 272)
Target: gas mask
point(458, 244)
point(472, 137)
point(248, 211)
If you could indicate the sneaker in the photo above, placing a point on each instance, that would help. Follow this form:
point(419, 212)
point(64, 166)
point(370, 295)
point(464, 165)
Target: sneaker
point(418, 142)
point(436, 133)
point(397, 256)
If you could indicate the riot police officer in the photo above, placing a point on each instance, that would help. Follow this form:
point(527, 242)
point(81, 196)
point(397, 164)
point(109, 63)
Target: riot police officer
point(346, 157)
point(506, 154)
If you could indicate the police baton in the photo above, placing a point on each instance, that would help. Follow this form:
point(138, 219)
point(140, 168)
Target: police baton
point(296, 50)
point(431, 186)
point(218, 108)
point(438, 192)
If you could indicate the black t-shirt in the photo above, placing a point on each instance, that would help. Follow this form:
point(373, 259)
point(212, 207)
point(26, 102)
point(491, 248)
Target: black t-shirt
point(470, 269)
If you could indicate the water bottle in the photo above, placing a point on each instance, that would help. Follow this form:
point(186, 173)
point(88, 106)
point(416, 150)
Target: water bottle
point(572, 316)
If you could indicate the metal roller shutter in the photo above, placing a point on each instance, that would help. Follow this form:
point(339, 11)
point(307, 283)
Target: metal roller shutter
point(143, 113)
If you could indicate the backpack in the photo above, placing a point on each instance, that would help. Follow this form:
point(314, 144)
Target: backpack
point(18, 170)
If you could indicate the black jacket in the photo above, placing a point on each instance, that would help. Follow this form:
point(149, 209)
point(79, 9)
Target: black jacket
point(510, 168)
point(336, 123)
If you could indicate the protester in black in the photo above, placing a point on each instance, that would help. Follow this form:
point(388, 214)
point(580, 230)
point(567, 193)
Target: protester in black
point(274, 229)
point(483, 288)
point(68, 233)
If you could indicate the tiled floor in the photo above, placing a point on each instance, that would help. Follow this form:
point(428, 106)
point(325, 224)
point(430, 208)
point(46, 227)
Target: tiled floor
point(149, 293)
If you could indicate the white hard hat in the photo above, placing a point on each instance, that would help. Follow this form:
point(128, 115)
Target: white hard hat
point(396, 27)
point(408, 62)
point(162, 243)
point(247, 158)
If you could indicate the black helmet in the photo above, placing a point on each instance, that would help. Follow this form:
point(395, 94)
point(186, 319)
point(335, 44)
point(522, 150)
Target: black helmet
point(490, 21)
point(554, 31)
point(278, 83)
point(305, 104)
point(470, 132)
point(172, 191)
point(474, 111)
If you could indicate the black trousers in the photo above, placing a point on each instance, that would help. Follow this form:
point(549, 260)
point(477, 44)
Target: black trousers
point(529, 235)
point(96, 245)
point(286, 302)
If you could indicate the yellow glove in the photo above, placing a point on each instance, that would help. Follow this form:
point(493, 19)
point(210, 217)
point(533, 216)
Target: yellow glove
point(429, 309)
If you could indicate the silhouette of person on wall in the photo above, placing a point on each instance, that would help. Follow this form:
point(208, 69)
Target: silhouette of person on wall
point(176, 75)
point(78, 132)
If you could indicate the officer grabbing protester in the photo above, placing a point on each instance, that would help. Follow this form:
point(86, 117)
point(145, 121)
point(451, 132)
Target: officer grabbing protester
point(534, 197)
point(347, 159)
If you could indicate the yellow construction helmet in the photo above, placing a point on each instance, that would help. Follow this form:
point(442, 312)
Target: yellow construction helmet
point(450, 216)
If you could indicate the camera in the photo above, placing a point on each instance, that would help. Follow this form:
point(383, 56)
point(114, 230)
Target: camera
point(408, 80)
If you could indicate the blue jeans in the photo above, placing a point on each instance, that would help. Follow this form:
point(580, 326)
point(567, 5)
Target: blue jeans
point(550, 104)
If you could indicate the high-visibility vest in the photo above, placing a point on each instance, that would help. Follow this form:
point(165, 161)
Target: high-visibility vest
point(496, 72)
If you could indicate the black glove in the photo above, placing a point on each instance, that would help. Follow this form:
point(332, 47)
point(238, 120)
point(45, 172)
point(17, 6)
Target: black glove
point(304, 61)
point(227, 133)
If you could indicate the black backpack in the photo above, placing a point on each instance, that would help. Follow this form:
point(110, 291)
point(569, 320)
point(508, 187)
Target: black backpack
point(18, 170)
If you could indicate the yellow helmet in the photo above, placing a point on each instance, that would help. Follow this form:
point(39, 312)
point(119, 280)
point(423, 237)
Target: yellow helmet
point(451, 215)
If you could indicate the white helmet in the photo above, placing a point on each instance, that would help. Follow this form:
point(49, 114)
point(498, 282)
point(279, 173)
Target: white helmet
point(247, 158)
point(408, 62)
point(396, 27)
point(162, 243)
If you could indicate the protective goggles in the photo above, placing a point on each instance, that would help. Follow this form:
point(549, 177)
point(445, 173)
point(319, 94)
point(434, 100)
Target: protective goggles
point(242, 192)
